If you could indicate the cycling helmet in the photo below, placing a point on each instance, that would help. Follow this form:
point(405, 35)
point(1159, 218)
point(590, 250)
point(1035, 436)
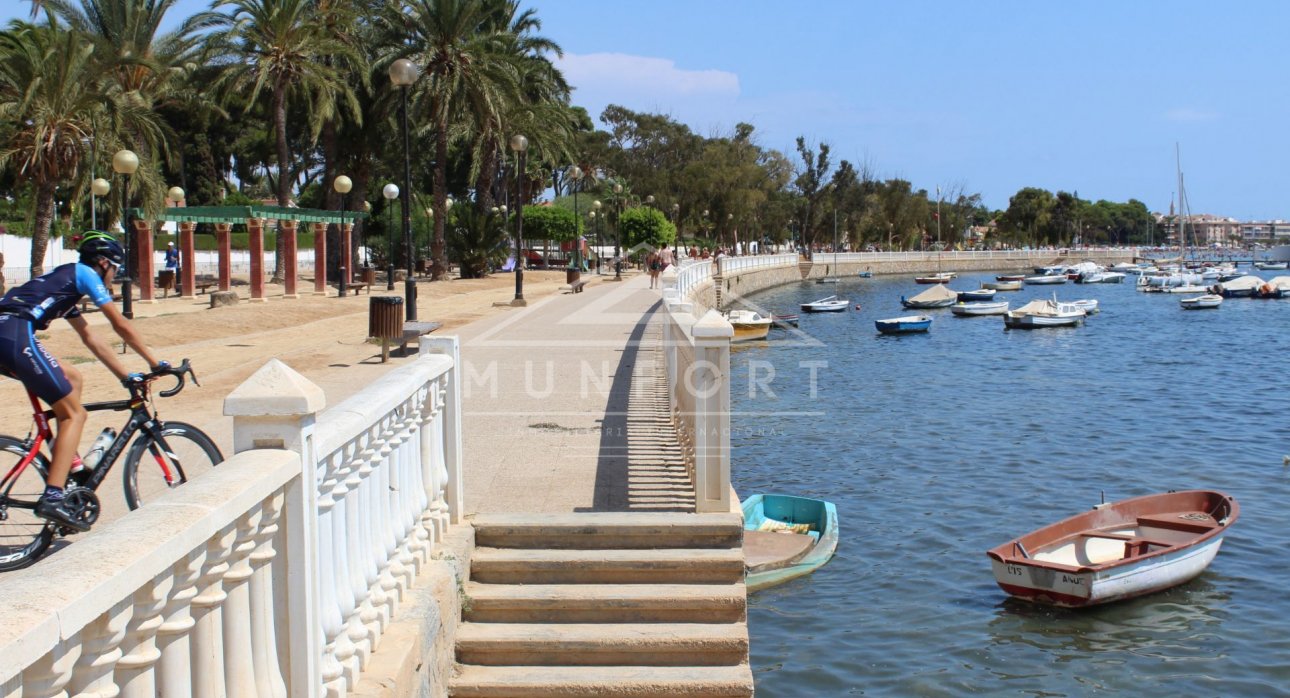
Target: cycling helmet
point(97, 244)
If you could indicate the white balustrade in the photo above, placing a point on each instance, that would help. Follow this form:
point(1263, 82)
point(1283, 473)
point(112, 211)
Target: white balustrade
point(697, 355)
point(273, 575)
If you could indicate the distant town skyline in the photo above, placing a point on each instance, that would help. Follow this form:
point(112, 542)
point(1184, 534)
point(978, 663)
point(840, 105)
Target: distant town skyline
point(990, 97)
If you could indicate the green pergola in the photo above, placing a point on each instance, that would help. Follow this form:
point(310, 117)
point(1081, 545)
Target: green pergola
point(254, 217)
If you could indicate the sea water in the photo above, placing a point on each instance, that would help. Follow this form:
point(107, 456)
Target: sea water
point(937, 447)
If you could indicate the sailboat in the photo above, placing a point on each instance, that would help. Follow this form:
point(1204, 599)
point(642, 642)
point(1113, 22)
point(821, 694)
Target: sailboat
point(940, 277)
point(1181, 280)
point(832, 278)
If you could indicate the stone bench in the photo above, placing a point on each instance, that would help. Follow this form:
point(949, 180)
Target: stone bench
point(412, 330)
point(357, 287)
point(576, 287)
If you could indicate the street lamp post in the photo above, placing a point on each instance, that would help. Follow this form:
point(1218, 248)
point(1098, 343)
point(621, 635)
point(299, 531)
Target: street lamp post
point(125, 163)
point(99, 188)
point(596, 215)
point(575, 175)
point(676, 212)
point(403, 73)
point(618, 227)
point(520, 145)
point(342, 185)
point(390, 192)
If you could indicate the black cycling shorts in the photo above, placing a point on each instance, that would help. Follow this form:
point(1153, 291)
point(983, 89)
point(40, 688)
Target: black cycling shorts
point(23, 357)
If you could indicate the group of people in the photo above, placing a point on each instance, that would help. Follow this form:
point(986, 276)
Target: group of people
point(657, 261)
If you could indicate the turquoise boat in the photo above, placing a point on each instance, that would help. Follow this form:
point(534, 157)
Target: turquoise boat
point(786, 537)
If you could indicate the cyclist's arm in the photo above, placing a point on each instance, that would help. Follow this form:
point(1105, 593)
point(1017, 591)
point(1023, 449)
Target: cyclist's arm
point(121, 325)
point(98, 347)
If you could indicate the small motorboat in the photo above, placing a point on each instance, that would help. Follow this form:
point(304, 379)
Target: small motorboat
point(1003, 285)
point(981, 294)
point(904, 325)
point(943, 277)
point(1101, 277)
point(786, 537)
point(1188, 288)
point(1242, 287)
point(1271, 266)
point(832, 304)
point(1010, 277)
point(1089, 305)
point(1117, 551)
point(827, 280)
point(1043, 313)
point(783, 322)
point(1046, 280)
point(980, 308)
point(1201, 302)
point(749, 325)
point(938, 296)
point(865, 274)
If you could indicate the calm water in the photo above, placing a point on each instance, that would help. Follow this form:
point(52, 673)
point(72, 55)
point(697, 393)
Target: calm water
point(936, 447)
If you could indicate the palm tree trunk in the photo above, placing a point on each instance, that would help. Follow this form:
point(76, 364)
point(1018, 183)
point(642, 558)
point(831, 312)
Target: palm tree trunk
point(439, 250)
point(44, 218)
point(284, 182)
point(331, 163)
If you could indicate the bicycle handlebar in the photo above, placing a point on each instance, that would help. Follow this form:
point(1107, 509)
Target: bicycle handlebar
point(177, 372)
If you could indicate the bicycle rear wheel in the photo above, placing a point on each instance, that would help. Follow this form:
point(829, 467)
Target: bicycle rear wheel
point(185, 452)
point(23, 535)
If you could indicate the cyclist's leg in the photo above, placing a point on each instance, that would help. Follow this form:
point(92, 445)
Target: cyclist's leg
point(71, 417)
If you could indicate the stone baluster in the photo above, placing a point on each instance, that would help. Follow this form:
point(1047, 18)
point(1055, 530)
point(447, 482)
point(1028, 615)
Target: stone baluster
point(447, 495)
point(47, 676)
point(429, 444)
point(207, 644)
point(92, 674)
point(277, 408)
point(415, 492)
point(432, 463)
point(174, 636)
point(399, 486)
point(135, 672)
point(359, 634)
point(375, 612)
point(345, 598)
point(264, 642)
point(239, 666)
point(391, 569)
point(333, 672)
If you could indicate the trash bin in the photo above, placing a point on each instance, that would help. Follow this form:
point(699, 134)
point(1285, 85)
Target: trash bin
point(385, 320)
point(368, 276)
point(166, 281)
point(571, 275)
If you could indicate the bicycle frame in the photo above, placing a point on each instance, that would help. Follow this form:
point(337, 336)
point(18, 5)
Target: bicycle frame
point(140, 419)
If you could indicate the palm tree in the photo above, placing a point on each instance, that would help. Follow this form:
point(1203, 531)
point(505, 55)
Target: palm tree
point(53, 94)
point(279, 46)
point(463, 53)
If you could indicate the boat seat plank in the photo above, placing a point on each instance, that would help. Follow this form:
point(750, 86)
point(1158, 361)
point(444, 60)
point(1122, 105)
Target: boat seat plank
point(1177, 523)
point(772, 550)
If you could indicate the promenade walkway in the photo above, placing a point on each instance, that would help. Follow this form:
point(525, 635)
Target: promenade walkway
point(565, 408)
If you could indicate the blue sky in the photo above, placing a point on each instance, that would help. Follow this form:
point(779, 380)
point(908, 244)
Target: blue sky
point(987, 96)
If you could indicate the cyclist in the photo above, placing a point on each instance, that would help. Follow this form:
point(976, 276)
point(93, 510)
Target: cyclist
point(31, 307)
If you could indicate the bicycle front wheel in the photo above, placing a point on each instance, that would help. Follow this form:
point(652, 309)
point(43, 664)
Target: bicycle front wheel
point(180, 453)
point(23, 535)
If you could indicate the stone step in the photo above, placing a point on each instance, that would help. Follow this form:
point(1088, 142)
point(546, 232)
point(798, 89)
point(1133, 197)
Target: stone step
point(593, 603)
point(602, 644)
point(664, 566)
point(609, 530)
point(580, 682)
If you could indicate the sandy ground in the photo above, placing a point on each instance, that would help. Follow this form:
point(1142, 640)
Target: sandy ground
point(322, 337)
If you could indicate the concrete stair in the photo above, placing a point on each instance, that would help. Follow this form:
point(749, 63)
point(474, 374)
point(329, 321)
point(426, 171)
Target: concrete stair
point(632, 604)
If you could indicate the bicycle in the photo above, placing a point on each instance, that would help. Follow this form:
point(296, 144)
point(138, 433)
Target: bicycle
point(179, 449)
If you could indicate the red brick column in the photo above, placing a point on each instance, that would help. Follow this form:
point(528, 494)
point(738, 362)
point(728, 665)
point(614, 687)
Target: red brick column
point(320, 259)
point(224, 241)
point(288, 234)
point(255, 233)
point(347, 250)
point(142, 245)
point(188, 260)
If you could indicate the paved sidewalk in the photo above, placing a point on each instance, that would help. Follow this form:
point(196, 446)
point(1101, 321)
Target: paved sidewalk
point(565, 409)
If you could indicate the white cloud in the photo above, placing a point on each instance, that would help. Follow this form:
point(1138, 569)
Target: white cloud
point(1190, 115)
point(652, 78)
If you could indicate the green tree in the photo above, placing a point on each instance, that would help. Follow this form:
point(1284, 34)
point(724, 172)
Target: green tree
point(646, 226)
point(812, 184)
point(478, 241)
point(549, 223)
point(53, 94)
point(1027, 215)
point(279, 46)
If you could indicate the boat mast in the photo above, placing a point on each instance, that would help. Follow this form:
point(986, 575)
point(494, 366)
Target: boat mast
point(1182, 218)
point(938, 228)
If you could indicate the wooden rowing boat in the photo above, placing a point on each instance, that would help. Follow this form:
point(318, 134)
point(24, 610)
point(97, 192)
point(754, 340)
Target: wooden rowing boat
point(1117, 551)
point(786, 537)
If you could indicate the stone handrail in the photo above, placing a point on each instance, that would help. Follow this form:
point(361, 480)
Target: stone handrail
point(697, 360)
point(739, 265)
point(273, 575)
point(689, 276)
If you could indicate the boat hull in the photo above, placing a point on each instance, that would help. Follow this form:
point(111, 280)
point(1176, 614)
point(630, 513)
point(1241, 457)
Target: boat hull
point(819, 515)
point(1031, 322)
point(1074, 589)
point(831, 307)
point(1044, 280)
point(979, 309)
point(1003, 285)
point(750, 332)
point(904, 325)
point(925, 305)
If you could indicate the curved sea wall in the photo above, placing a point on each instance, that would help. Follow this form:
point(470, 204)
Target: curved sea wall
point(739, 277)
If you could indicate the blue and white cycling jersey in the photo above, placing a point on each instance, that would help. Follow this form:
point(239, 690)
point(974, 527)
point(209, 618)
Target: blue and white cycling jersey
point(56, 294)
